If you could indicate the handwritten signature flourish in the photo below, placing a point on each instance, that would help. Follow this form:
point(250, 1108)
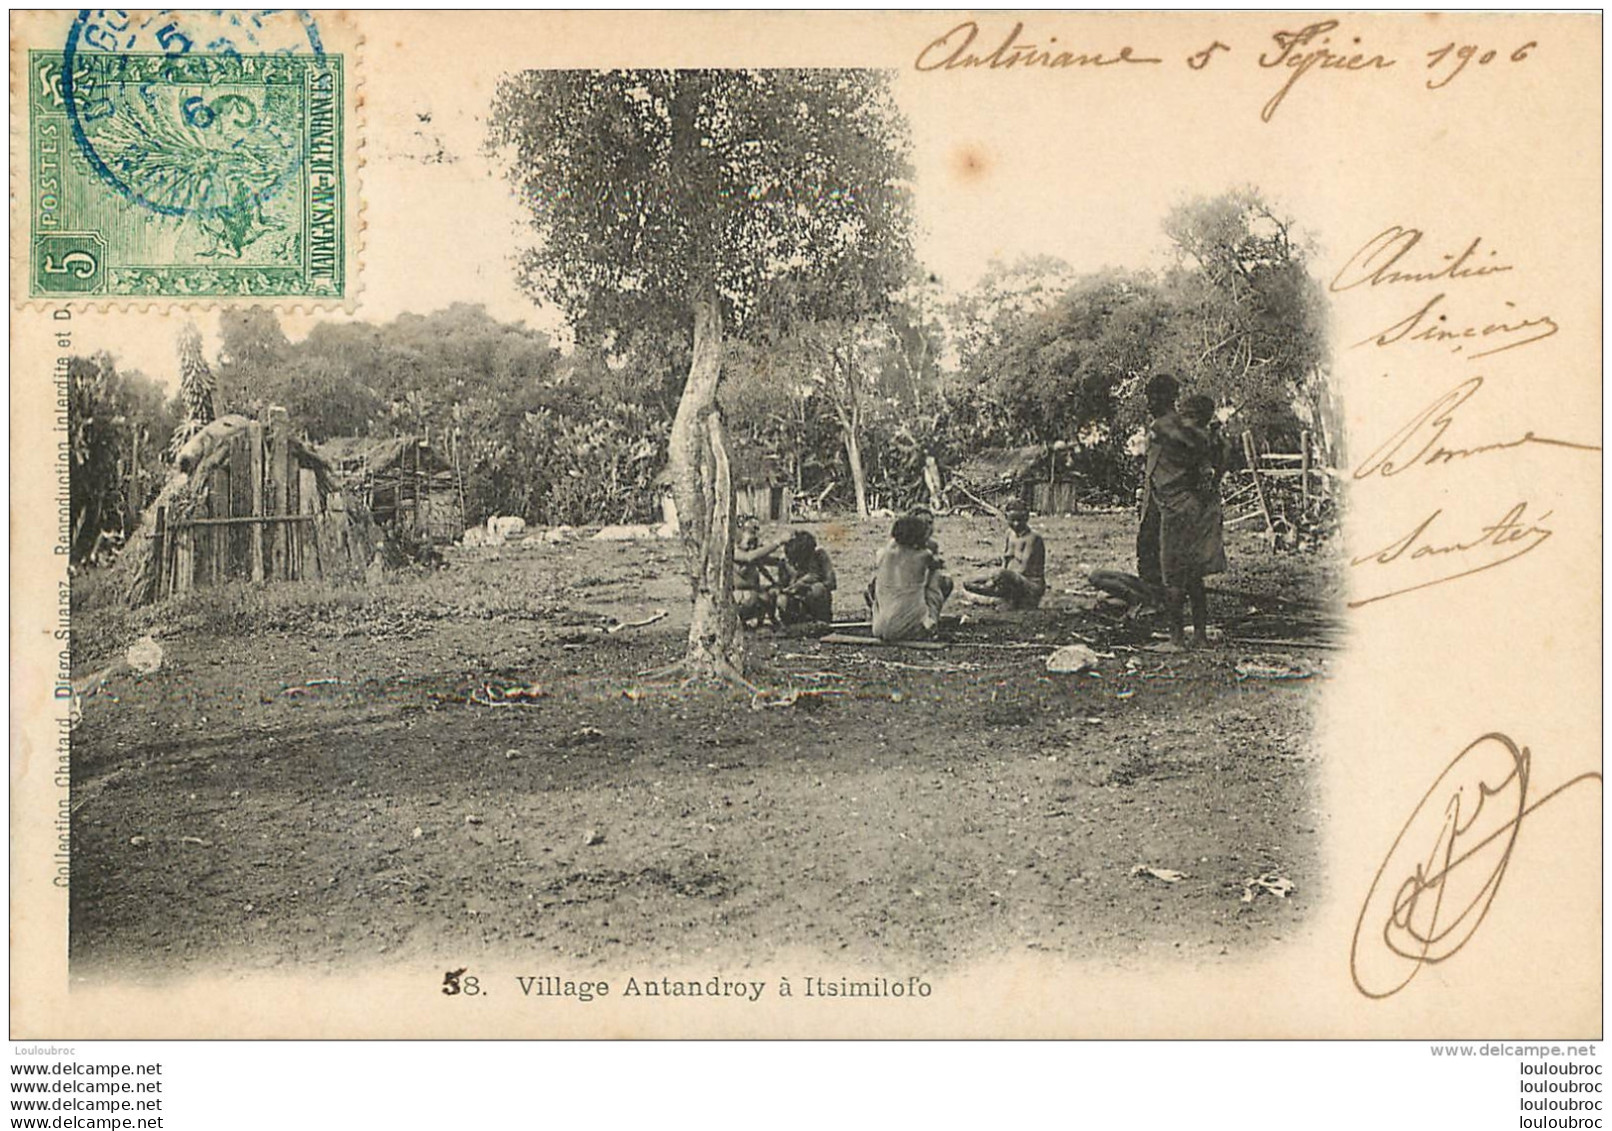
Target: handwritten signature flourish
point(1444, 870)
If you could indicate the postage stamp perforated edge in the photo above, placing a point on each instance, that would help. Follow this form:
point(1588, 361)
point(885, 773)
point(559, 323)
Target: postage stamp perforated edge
point(38, 34)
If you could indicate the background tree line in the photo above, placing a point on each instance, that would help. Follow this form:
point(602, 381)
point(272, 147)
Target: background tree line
point(1036, 354)
point(848, 398)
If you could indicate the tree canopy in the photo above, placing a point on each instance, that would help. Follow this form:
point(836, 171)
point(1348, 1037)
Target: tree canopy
point(118, 426)
point(1248, 318)
point(1047, 356)
point(554, 439)
point(648, 187)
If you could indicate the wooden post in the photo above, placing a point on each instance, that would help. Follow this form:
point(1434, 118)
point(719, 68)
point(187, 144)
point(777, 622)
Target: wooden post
point(274, 556)
point(1304, 474)
point(292, 506)
point(419, 511)
point(282, 494)
point(276, 491)
point(254, 433)
point(184, 571)
point(459, 485)
point(160, 552)
point(1252, 456)
point(223, 492)
point(133, 499)
point(201, 541)
point(240, 505)
point(308, 560)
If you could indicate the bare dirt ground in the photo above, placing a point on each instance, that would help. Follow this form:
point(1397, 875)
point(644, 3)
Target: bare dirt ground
point(308, 779)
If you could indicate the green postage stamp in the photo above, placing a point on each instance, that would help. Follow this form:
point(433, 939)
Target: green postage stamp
point(194, 175)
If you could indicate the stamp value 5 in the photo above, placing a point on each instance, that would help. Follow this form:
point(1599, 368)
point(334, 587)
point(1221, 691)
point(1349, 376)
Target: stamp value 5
point(209, 166)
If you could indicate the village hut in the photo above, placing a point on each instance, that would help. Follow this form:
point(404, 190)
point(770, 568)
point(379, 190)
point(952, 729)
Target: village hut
point(408, 487)
point(1036, 476)
point(248, 501)
point(760, 488)
point(997, 476)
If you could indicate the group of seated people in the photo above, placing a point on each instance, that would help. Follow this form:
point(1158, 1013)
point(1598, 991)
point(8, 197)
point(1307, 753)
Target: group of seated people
point(797, 588)
point(910, 583)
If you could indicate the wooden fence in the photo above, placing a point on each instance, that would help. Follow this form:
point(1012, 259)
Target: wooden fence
point(1279, 492)
point(256, 517)
point(1060, 497)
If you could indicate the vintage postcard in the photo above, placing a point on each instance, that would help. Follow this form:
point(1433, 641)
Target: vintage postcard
point(806, 525)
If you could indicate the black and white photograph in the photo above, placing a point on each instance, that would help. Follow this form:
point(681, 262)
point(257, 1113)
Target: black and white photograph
point(728, 629)
point(809, 525)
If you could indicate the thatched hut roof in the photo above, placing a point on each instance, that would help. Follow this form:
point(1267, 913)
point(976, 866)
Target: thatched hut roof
point(376, 454)
point(749, 468)
point(1001, 467)
point(758, 469)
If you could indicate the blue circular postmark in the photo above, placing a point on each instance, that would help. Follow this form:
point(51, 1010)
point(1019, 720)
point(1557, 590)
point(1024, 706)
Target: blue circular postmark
point(188, 113)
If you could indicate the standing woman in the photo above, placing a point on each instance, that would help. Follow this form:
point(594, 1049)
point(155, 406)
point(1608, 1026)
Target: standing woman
point(1186, 459)
point(1161, 392)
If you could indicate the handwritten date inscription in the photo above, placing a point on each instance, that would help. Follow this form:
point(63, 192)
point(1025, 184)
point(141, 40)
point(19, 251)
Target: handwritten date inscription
point(1444, 870)
point(1316, 48)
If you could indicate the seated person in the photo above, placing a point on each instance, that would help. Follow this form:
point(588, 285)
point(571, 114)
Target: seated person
point(755, 585)
point(807, 593)
point(906, 593)
point(1136, 593)
point(1021, 581)
point(927, 517)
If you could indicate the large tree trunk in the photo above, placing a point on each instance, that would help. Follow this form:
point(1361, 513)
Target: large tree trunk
point(859, 477)
point(932, 481)
point(702, 485)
